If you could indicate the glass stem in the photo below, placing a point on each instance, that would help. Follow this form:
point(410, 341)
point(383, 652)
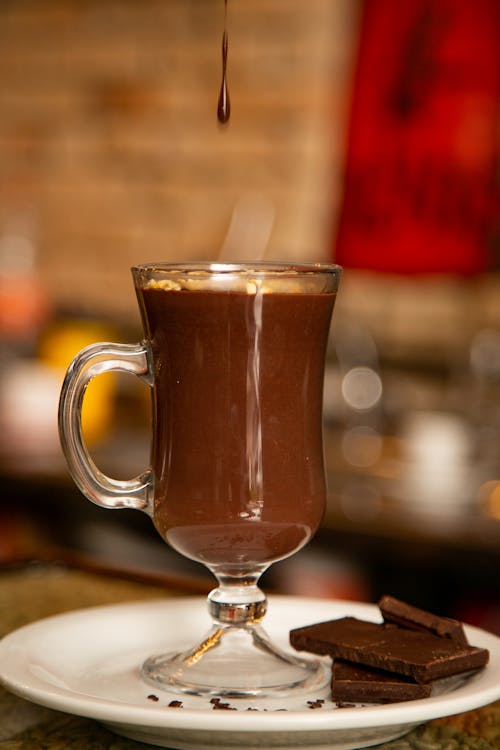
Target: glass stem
point(237, 601)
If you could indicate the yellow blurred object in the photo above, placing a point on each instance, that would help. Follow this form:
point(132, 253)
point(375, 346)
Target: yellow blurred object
point(489, 498)
point(60, 343)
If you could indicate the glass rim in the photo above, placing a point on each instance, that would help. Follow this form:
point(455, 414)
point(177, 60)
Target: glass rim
point(239, 267)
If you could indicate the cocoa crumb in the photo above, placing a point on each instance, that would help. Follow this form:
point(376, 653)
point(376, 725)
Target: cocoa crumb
point(318, 703)
point(153, 698)
point(175, 704)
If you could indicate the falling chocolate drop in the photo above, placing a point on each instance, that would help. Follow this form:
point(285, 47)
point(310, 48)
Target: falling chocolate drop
point(224, 105)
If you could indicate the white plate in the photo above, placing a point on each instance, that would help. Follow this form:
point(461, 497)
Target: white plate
point(87, 663)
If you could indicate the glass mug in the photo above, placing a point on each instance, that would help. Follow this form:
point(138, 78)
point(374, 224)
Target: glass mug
point(234, 355)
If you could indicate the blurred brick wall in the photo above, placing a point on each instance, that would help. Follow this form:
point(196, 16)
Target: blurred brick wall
point(108, 130)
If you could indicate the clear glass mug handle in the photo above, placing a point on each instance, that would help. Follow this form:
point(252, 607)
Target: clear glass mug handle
point(96, 486)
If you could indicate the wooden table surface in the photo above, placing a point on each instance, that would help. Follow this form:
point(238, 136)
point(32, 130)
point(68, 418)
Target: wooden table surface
point(30, 592)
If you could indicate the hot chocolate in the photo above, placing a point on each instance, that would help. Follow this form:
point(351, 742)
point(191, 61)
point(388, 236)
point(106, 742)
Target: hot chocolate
point(237, 410)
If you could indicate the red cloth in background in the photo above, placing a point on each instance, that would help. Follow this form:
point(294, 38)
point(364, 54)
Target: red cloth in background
point(422, 173)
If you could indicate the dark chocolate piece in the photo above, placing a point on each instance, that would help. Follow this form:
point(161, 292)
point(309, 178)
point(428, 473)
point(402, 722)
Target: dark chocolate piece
point(423, 656)
point(399, 612)
point(355, 682)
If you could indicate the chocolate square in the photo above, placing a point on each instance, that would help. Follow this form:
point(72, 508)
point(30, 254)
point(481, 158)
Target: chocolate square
point(423, 656)
point(356, 682)
point(396, 611)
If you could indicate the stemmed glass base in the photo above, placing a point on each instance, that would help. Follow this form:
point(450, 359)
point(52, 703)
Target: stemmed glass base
point(236, 658)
